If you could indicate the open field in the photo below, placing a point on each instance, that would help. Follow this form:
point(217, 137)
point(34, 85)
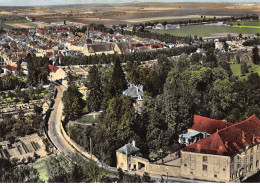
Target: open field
point(207, 31)
point(129, 12)
point(27, 24)
point(169, 18)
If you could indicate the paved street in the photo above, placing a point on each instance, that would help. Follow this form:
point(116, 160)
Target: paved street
point(54, 131)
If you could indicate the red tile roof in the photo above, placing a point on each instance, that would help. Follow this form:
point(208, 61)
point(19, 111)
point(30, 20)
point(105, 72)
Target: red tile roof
point(49, 54)
point(42, 31)
point(208, 125)
point(12, 68)
point(59, 54)
point(60, 30)
point(53, 68)
point(229, 140)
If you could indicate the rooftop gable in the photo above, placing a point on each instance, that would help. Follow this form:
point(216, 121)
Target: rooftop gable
point(230, 140)
point(208, 125)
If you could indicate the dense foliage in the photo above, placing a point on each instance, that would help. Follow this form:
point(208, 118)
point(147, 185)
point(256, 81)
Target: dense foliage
point(10, 173)
point(175, 90)
point(11, 127)
point(73, 102)
point(10, 82)
point(38, 70)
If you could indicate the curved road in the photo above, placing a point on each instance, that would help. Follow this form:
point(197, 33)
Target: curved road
point(54, 123)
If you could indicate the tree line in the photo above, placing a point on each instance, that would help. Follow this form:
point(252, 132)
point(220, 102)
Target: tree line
point(135, 56)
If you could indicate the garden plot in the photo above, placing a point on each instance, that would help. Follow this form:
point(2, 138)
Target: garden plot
point(23, 147)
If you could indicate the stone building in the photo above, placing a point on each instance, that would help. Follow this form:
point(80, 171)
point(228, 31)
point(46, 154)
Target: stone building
point(228, 153)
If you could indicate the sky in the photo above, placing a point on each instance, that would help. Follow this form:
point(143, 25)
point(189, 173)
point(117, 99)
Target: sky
point(62, 2)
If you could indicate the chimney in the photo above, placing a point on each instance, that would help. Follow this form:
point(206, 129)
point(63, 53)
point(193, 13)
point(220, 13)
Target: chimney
point(243, 137)
point(198, 147)
point(226, 143)
point(133, 143)
point(254, 139)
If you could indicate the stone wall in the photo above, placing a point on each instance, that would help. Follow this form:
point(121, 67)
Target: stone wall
point(205, 167)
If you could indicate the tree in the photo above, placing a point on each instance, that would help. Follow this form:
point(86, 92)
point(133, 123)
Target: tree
point(255, 56)
point(146, 178)
point(93, 84)
point(244, 68)
point(73, 102)
point(118, 82)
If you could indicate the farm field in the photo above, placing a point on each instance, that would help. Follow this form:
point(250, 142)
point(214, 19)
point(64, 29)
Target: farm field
point(207, 30)
point(247, 24)
point(26, 24)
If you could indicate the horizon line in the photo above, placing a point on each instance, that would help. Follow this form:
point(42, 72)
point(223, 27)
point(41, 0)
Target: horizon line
point(146, 2)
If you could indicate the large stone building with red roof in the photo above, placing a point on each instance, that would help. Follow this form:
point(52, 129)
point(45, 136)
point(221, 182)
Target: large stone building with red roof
point(230, 154)
point(225, 152)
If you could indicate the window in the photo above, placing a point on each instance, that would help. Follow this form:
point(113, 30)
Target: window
point(205, 159)
point(215, 175)
point(185, 165)
point(257, 163)
point(191, 173)
point(205, 167)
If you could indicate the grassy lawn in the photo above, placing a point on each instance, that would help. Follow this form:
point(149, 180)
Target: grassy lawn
point(42, 168)
point(88, 119)
point(45, 167)
point(236, 69)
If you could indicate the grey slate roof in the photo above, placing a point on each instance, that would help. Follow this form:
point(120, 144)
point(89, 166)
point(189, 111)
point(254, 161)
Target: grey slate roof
point(134, 91)
point(128, 149)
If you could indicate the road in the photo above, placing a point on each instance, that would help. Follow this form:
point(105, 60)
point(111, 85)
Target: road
point(54, 123)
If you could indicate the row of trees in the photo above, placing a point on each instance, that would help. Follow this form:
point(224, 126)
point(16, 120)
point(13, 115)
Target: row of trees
point(136, 56)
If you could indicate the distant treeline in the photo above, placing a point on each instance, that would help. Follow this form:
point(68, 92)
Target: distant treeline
point(135, 56)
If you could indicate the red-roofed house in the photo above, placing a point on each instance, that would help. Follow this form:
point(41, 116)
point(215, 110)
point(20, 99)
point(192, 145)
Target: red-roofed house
point(12, 69)
point(208, 125)
point(201, 128)
point(49, 54)
point(231, 154)
point(53, 68)
point(42, 31)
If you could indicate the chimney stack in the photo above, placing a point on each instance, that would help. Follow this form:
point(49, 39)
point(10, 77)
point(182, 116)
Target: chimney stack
point(133, 143)
point(226, 143)
point(198, 147)
point(243, 137)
